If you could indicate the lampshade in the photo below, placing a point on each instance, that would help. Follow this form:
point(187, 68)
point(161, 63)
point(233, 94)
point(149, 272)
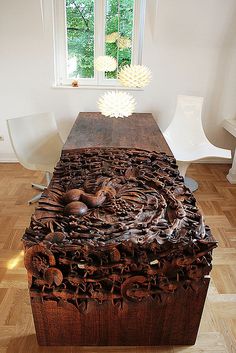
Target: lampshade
point(116, 104)
point(105, 63)
point(135, 76)
point(112, 37)
point(124, 42)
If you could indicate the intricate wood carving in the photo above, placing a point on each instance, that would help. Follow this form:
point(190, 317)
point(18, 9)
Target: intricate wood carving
point(116, 225)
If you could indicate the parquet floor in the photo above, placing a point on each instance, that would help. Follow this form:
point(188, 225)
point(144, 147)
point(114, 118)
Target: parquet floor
point(217, 200)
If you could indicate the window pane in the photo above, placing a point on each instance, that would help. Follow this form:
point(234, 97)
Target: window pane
point(119, 31)
point(80, 38)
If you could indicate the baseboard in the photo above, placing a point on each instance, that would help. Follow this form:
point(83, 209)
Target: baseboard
point(8, 158)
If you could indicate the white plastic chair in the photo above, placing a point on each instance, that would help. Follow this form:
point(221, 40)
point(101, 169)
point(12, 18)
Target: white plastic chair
point(37, 144)
point(187, 139)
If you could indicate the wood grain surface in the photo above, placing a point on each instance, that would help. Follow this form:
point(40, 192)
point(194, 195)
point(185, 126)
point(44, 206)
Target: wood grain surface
point(174, 321)
point(217, 200)
point(95, 130)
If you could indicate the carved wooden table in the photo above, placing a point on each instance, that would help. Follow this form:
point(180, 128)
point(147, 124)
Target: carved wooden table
point(117, 252)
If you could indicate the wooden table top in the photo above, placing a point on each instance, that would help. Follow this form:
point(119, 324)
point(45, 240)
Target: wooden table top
point(95, 130)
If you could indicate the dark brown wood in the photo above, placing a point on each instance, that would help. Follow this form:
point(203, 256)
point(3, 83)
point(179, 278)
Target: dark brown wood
point(174, 321)
point(117, 252)
point(95, 130)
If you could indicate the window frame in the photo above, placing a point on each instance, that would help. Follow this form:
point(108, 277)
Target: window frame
point(60, 42)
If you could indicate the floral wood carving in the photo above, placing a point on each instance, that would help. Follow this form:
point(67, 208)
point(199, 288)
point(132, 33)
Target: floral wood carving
point(116, 224)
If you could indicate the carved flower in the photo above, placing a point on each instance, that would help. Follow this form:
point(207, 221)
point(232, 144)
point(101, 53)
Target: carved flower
point(37, 259)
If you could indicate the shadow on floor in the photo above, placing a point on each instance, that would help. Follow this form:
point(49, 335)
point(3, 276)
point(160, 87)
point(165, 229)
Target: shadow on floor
point(28, 344)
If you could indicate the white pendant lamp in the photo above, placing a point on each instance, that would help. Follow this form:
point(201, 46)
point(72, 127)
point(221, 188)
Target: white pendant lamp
point(116, 104)
point(112, 37)
point(135, 76)
point(124, 42)
point(105, 63)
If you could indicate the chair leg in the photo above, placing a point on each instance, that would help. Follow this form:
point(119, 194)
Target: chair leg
point(35, 198)
point(183, 166)
point(48, 177)
point(191, 184)
point(38, 187)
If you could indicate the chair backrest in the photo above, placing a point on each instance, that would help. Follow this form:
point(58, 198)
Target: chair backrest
point(185, 129)
point(30, 136)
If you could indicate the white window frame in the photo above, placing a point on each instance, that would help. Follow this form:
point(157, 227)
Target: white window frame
point(60, 42)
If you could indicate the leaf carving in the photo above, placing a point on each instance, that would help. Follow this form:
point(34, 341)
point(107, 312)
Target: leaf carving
point(115, 255)
point(131, 173)
point(55, 237)
point(53, 275)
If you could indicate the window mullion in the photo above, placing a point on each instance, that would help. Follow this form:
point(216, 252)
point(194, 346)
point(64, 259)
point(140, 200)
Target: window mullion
point(99, 34)
point(140, 30)
point(60, 45)
point(138, 26)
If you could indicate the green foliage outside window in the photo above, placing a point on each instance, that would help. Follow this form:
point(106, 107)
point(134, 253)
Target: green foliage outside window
point(80, 35)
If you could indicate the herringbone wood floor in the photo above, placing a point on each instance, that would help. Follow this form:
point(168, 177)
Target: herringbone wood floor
point(217, 200)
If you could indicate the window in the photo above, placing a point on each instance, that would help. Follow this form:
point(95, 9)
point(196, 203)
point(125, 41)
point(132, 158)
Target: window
point(86, 29)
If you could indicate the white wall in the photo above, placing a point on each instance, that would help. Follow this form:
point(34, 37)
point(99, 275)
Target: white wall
point(190, 47)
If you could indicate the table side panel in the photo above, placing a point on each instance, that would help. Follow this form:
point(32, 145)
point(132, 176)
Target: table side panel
point(151, 322)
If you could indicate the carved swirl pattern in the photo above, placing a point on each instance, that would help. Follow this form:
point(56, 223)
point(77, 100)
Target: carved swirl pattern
point(116, 224)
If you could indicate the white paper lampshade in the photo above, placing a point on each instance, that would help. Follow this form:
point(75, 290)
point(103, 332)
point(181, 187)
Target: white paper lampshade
point(105, 63)
point(116, 104)
point(124, 42)
point(135, 76)
point(112, 37)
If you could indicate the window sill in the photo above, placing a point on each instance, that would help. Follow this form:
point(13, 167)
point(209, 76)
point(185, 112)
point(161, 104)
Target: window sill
point(99, 87)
